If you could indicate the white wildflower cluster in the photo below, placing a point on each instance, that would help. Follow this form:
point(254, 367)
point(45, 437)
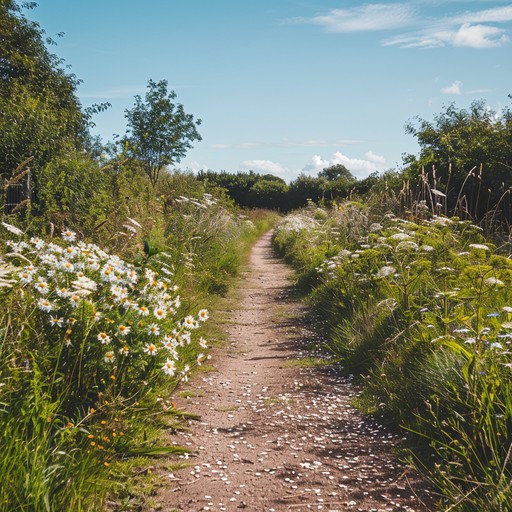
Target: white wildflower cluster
point(205, 202)
point(125, 311)
point(480, 247)
point(386, 271)
point(297, 222)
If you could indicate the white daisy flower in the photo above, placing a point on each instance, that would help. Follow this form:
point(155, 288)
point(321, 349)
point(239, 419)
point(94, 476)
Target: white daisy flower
point(42, 286)
point(150, 349)
point(203, 315)
point(160, 312)
point(56, 321)
point(25, 276)
point(123, 330)
point(124, 350)
point(190, 322)
point(154, 329)
point(143, 310)
point(169, 367)
point(109, 357)
point(104, 338)
point(68, 235)
point(45, 305)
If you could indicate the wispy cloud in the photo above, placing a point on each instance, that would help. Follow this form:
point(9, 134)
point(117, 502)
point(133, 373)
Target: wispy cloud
point(455, 88)
point(365, 17)
point(426, 28)
point(466, 35)
point(288, 144)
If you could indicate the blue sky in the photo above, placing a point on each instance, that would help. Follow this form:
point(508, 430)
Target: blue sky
point(288, 86)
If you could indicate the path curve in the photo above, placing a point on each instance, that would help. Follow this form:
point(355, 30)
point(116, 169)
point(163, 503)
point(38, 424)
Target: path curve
point(275, 434)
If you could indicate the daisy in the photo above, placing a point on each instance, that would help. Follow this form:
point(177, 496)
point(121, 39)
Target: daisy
point(93, 264)
point(104, 338)
point(169, 367)
point(203, 315)
point(38, 243)
point(109, 357)
point(124, 351)
point(56, 321)
point(185, 338)
point(123, 330)
point(25, 276)
point(143, 311)
point(45, 305)
point(68, 235)
point(107, 273)
point(67, 266)
point(72, 251)
point(42, 286)
point(189, 322)
point(203, 343)
point(154, 329)
point(160, 312)
point(150, 349)
point(63, 292)
point(74, 299)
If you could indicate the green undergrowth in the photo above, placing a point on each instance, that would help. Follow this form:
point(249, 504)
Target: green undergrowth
point(99, 329)
point(420, 311)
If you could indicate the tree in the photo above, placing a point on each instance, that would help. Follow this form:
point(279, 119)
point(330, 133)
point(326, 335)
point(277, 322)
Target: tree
point(159, 131)
point(467, 155)
point(268, 193)
point(336, 172)
point(40, 114)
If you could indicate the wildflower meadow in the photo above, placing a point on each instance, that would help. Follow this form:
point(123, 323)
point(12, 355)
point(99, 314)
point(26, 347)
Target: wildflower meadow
point(420, 310)
point(93, 345)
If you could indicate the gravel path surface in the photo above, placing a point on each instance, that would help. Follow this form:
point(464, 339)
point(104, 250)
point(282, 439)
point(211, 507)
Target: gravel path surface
point(277, 433)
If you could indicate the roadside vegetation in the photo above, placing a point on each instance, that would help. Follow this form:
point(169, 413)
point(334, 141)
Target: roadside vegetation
point(419, 309)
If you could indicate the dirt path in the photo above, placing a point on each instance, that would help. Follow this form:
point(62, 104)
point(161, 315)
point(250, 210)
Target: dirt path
point(276, 433)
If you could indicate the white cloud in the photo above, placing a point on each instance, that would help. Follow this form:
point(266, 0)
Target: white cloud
point(477, 29)
point(467, 35)
point(316, 165)
point(358, 167)
point(455, 88)
point(495, 15)
point(265, 166)
point(365, 17)
point(479, 36)
point(376, 159)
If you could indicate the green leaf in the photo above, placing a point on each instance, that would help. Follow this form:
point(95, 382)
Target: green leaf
point(155, 451)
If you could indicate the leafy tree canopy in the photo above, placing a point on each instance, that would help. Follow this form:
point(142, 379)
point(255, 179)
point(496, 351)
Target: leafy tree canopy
point(466, 154)
point(159, 131)
point(336, 172)
point(40, 114)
